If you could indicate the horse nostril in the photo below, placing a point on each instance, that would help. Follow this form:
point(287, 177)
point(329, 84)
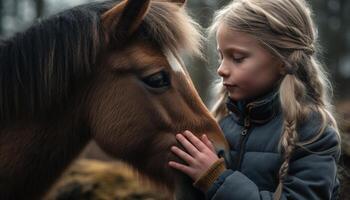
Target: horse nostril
point(225, 155)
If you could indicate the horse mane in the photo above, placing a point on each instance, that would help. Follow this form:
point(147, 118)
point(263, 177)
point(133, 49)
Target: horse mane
point(44, 66)
point(172, 28)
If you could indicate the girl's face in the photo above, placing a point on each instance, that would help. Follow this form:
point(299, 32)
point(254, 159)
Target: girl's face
point(248, 70)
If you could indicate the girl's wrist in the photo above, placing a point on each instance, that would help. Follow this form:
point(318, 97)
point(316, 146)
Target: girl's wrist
point(207, 178)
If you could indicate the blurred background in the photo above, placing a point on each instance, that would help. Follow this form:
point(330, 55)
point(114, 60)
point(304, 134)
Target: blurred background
point(331, 16)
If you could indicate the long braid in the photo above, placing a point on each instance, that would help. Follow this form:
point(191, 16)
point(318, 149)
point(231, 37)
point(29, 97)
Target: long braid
point(288, 142)
point(291, 95)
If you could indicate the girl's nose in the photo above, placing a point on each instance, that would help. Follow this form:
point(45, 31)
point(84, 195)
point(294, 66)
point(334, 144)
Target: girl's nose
point(223, 71)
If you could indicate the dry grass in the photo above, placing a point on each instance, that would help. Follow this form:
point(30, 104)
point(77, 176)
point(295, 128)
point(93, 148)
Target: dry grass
point(99, 180)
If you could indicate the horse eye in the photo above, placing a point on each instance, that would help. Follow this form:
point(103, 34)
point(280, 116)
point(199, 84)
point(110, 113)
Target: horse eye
point(158, 80)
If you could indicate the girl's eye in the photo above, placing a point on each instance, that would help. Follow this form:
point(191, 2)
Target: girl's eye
point(238, 59)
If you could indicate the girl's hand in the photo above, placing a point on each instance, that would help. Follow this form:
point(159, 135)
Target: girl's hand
point(199, 157)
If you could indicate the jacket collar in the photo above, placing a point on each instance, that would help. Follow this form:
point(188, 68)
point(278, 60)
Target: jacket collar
point(259, 111)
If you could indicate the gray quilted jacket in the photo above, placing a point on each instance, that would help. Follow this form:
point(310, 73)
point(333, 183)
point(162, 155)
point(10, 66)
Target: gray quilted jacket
point(253, 131)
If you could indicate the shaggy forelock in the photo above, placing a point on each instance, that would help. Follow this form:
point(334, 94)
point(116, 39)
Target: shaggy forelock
point(172, 28)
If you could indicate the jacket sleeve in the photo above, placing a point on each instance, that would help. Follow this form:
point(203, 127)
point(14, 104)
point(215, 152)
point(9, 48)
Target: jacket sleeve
point(312, 175)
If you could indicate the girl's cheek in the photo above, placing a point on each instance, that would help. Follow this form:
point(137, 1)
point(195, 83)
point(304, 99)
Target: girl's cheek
point(246, 79)
point(252, 75)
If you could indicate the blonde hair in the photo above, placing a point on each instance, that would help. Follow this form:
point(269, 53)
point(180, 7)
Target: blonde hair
point(286, 29)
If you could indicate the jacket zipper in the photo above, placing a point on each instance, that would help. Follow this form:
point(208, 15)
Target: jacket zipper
point(242, 141)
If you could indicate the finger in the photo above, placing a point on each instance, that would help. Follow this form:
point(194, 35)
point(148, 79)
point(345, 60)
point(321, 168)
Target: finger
point(183, 155)
point(189, 147)
point(208, 143)
point(183, 168)
point(195, 141)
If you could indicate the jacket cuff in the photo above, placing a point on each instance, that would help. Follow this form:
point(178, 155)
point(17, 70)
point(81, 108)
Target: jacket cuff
point(205, 181)
point(239, 186)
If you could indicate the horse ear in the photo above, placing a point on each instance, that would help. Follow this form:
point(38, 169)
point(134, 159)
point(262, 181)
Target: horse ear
point(125, 17)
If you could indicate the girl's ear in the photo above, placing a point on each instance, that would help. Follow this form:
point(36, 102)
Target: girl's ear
point(124, 18)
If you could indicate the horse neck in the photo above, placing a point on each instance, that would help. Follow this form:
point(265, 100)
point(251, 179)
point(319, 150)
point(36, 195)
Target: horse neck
point(34, 155)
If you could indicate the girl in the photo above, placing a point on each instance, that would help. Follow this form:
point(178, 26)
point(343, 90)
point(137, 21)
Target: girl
point(284, 141)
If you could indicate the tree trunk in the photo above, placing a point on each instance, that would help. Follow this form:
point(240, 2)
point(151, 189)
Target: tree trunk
point(1, 16)
point(39, 7)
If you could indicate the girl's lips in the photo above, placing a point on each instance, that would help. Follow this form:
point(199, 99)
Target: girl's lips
point(229, 85)
point(232, 88)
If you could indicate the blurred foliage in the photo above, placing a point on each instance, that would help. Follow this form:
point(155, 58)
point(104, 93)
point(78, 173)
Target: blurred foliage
point(333, 20)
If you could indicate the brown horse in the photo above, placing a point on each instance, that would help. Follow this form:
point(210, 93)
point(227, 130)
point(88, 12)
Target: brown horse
point(105, 71)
